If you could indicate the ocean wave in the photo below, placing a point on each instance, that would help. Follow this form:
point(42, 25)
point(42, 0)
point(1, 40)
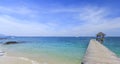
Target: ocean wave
point(27, 59)
point(3, 53)
point(32, 61)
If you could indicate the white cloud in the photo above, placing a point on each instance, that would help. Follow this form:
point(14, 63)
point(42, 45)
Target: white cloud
point(93, 19)
point(96, 20)
point(10, 26)
point(59, 10)
point(19, 11)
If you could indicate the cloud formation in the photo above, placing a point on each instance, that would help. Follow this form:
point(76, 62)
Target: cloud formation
point(97, 20)
point(81, 21)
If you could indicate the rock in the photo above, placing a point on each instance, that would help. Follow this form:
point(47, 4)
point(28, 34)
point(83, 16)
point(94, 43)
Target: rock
point(10, 42)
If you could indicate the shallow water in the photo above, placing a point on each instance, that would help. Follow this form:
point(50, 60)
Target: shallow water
point(55, 50)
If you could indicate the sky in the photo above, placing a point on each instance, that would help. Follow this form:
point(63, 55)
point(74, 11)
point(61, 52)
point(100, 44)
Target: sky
point(59, 17)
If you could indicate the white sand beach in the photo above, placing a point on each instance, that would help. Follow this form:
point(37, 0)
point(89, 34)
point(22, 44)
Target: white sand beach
point(4, 59)
point(13, 60)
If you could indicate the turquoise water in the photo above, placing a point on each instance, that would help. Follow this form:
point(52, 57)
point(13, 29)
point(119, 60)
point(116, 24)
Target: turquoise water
point(65, 50)
point(113, 43)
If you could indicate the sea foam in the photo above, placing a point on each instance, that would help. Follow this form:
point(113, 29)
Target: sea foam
point(27, 59)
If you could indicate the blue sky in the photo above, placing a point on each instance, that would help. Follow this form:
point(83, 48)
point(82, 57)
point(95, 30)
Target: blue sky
point(59, 17)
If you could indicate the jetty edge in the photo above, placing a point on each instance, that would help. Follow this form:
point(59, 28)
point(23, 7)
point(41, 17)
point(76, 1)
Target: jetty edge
point(97, 53)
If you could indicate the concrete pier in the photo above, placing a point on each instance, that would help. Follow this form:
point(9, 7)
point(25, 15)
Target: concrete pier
point(98, 54)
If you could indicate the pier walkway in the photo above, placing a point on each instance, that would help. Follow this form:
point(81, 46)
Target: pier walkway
point(98, 54)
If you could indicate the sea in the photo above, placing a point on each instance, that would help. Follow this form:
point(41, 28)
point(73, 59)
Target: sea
point(54, 50)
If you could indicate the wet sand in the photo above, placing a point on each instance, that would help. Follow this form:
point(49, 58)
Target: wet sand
point(5, 59)
point(13, 60)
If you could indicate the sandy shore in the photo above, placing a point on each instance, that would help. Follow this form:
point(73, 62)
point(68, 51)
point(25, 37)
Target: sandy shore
point(99, 54)
point(4, 59)
point(13, 60)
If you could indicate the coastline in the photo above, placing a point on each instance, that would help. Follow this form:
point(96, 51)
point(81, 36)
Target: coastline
point(6, 59)
point(52, 50)
point(43, 60)
point(46, 50)
point(12, 58)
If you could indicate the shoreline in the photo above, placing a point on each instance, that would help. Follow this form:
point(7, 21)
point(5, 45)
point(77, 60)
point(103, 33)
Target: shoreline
point(5, 58)
point(28, 53)
point(37, 60)
point(13, 60)
point(16, 59)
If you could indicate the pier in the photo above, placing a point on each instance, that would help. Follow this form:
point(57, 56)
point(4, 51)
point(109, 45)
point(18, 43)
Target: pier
point(97, 53)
